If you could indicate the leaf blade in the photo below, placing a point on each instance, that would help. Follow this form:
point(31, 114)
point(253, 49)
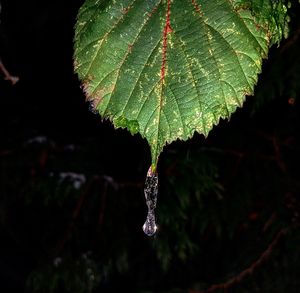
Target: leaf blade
point(168, 68)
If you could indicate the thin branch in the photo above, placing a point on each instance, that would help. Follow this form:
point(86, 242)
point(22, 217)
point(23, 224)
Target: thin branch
point(102, 206)
point(5, 152)
point(248, 271)
point(7, 75)
point(278, 157)
point(291, 41)
point(277, 152)
point(269, 222)
point(75, 214)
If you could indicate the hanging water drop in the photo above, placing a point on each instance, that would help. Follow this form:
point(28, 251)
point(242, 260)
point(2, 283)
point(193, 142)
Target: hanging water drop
point(150, 190)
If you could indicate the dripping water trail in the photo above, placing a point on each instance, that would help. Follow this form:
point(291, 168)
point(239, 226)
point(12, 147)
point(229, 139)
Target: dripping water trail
point(151, 191)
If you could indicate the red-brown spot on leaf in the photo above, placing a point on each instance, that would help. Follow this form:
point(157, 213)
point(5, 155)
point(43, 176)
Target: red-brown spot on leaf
point(167, 30)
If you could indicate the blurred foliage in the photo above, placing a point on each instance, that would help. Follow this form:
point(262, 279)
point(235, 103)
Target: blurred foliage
point(72, 204)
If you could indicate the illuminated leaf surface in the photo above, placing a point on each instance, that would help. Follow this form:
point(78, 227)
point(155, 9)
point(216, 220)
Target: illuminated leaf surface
point(168, 68)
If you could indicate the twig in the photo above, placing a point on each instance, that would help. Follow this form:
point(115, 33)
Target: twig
point(269, 222)
point(5, 152)
point(7, 75)
point(248, 271)
point(277, 153)
point(75, 214)
point(278, 158)
point(102, 206)
point(291, 41)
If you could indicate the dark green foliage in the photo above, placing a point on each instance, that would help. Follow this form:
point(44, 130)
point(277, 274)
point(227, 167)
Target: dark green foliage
point(215, 198)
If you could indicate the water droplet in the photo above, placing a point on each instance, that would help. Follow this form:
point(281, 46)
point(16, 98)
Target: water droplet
point(149, 226)
point(151, 191)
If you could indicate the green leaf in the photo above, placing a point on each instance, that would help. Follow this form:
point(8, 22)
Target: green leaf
point(168, 68)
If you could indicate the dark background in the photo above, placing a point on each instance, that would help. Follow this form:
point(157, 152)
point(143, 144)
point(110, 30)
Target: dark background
point(228, 205)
